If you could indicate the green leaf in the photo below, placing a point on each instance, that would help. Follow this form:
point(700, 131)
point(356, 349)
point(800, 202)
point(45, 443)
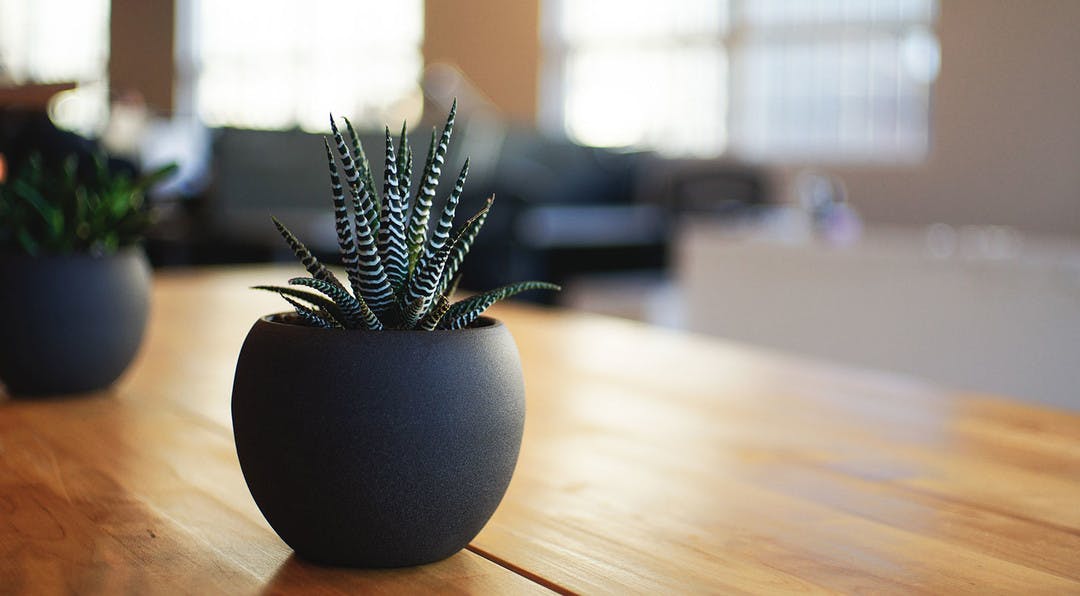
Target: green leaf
point(423, 284)
point(148, 181)
point(392, 247)
point(357, 243)
point(354, 309)
point(27, 241)
point(58, 212)
point(462, 244)
point(435, 315)
point(366, 177)
point(465, 311)
point(441, 235)
point(308, 260)
point(425, 196)
point(317, 301)
point(310, 317)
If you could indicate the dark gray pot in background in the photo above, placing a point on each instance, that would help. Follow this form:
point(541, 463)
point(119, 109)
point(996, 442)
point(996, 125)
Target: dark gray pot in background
point(377, 448)
point(70, 324)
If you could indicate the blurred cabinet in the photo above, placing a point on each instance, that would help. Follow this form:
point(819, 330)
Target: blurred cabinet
point(978, 309)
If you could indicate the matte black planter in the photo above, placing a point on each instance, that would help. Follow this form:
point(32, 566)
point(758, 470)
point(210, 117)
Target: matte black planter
point(377, 448)
point(70, 324)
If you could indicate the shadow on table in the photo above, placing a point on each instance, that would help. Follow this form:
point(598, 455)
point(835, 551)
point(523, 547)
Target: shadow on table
point(6, 397)
point(298, 575)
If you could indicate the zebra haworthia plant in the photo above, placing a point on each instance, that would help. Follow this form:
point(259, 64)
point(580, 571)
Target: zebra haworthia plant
point(401, 274)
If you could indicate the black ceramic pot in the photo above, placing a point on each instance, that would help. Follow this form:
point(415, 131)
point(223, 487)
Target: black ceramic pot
point(377, 448)
point(70, 324)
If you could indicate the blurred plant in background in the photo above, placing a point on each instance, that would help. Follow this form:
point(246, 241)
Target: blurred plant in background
point(73, 208)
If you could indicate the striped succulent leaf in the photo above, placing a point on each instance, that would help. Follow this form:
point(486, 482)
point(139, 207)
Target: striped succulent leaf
point(468, 309)
point(374, 284)
point(412, 313)
point(435, 314)
point(441, 236)
point(311, 317)
point(432, 318)
point(464, 319)
point(406, 184)
point(359, 255)
point(405, 165)
point(356, 312)
point(367, 179)
point(401, 276)
point(425, 196)
point(429, 183)
point(316, 301)
point(342, 225)
point(452, 288)
point(422, 286)
point(313, 266)
point(352, 173)
point(392, 227)
point(462, 244)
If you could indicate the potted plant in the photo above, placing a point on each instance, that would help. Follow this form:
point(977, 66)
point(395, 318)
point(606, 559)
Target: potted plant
point(379, 423)
point(76, 285)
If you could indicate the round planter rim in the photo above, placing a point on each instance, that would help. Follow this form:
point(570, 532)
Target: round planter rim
point(487, 325)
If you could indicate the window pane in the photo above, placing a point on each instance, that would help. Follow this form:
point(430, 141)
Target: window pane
point(852, 93)
point(641, 73)
point(670, 99)
point(598, 21)
point(770, 13)
point(807, 79)
point(50, 41)
point(279, 64)
point(54, 40)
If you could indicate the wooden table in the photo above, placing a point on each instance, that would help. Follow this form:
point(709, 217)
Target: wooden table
point(653, 462)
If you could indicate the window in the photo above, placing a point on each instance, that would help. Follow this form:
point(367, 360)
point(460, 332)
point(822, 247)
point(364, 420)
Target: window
point(54, 41)
point(278, 64)
point(629, 72)
point(764, 79)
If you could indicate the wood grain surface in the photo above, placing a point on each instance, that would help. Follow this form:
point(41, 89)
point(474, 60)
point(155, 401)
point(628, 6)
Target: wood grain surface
point(653, 462)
